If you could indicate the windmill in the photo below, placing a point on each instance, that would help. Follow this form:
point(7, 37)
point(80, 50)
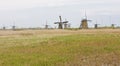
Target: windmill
point(113, 25)
point(84, 23)
point(4, 27)
point(13, 27)
point(46, 26)
point(60, 24)
point(96, 25)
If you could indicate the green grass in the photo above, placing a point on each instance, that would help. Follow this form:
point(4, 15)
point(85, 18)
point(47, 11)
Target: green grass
point(70, 50)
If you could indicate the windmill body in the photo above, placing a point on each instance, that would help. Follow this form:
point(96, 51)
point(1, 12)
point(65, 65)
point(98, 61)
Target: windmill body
point(46, 26)
point(113, 25)
point(96, 26)
point(4, 28)
point(60, 25)
point(13, 27)
point(84, 24)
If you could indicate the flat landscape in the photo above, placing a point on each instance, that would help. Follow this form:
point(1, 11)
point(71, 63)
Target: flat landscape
point(92, 47)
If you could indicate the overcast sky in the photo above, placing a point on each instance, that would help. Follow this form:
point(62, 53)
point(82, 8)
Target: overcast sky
point(34, 13)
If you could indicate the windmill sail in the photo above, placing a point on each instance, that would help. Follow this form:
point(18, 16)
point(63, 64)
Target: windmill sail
point(61, 23)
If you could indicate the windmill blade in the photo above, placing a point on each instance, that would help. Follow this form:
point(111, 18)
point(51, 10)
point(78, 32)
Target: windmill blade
point(65, 22)
point(89, 20)
point(56, 22)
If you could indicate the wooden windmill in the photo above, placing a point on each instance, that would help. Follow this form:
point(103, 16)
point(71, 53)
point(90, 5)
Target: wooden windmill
point(13, 27)
point(61, 23)
point(4, 27)
point(84, 23)
point(113, 25)
point(46, 26)
point(96, 26)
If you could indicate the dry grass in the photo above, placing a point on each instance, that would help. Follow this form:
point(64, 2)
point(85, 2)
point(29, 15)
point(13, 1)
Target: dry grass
point(60, 47)
point(58, 32)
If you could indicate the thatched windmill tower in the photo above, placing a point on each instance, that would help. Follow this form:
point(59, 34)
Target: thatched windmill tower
point(61, 23)
point(84, 23)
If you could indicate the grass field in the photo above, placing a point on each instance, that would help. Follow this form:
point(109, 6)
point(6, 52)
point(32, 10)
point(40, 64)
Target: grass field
point(60, 47)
